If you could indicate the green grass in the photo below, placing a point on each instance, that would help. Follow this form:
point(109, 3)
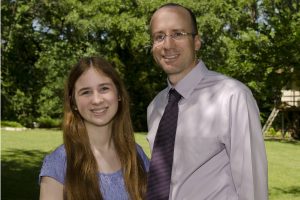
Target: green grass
point(284, 170)
point(23, 153)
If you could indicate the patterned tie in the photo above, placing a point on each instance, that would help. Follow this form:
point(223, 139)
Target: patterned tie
point(160, 171)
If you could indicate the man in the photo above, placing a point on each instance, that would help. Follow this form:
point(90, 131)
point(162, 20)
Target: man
point(219, 150)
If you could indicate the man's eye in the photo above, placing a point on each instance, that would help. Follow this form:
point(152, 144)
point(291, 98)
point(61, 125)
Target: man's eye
point(177, 35)
point(159, 37)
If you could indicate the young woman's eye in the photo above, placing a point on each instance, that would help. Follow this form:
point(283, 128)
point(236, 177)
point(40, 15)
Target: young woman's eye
point(86, 92)
point(104, 89)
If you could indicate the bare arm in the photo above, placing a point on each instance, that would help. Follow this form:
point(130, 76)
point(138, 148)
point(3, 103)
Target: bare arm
point(50, 189)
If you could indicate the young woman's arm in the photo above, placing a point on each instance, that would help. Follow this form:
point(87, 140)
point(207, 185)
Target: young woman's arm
point(50, 189)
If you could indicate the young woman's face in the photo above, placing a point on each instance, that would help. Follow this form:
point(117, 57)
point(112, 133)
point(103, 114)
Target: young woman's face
point(96, 98)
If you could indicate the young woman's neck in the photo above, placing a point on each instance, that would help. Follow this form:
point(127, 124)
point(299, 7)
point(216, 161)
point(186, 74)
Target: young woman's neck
point(100, 137)
point(103, 149)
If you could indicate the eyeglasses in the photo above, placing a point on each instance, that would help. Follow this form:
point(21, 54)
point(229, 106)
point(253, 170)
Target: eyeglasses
point(159, 37)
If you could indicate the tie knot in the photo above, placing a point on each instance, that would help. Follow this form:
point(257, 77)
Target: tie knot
point(174, 96)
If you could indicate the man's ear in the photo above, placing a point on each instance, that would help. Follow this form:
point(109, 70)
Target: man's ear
point(197, 42)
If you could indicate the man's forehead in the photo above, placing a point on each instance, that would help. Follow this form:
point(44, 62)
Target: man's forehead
point(167, 12)
point(169, 8)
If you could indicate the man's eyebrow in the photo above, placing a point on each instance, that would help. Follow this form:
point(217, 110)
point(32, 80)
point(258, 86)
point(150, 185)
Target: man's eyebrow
point(173, 30)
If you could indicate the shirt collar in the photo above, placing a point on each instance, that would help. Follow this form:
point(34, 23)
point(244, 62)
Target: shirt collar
point(186, 85)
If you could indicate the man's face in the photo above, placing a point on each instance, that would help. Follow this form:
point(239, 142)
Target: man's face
point(176, 57)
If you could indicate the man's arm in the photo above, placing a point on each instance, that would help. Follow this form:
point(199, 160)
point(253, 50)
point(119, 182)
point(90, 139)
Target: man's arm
point(247, 149)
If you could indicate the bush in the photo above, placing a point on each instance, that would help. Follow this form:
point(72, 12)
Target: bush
point(47, 122)
point(273, 133)
point(11, 124)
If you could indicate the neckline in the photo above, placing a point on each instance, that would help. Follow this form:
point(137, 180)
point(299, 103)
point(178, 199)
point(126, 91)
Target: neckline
point(116, 173)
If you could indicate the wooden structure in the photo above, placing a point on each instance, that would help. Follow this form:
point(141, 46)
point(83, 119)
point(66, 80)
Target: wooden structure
point(289, 108)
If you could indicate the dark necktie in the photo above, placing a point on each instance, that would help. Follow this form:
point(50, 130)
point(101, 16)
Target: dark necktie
point(159, 177)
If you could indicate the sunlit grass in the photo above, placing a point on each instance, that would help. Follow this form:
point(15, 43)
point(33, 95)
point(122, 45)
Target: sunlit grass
point(23, 152)
point(284, 170)
point(39, 139)
point(141, 140)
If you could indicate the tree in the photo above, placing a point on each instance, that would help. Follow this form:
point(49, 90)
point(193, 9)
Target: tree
point(20, 47)
point(41, 40)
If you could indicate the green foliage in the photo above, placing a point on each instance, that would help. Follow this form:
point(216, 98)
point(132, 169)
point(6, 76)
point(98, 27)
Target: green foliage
point(249, 40)
point(47, 122)
point(11, 124)
point(272, 132)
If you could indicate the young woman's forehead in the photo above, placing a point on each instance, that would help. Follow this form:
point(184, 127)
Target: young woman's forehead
point(93, 76)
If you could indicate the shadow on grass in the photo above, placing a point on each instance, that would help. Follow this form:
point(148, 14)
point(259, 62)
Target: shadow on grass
point(19, 174)
point(293, 190)
point(280, 140)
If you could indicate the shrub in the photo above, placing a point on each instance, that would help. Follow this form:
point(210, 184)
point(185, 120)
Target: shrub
point(11, 124)
point(272, 132)
point(47, 122)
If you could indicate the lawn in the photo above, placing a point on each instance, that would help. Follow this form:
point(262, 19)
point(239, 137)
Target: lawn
point(23, 152)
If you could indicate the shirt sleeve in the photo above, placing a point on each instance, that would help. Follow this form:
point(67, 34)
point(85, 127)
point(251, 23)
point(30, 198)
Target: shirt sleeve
point(54, 165)
point(143, 156)
point(247, 150)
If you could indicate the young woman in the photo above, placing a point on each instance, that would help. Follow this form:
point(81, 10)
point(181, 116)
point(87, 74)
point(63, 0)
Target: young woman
point(99, 158)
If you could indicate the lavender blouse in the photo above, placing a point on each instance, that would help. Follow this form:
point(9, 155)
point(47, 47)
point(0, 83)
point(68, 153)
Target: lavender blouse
point(111, 185)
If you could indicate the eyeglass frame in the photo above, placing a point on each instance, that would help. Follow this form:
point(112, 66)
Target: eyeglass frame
point(173, 36)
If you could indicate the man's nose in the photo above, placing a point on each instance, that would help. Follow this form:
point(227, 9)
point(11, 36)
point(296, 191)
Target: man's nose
point(168, 42)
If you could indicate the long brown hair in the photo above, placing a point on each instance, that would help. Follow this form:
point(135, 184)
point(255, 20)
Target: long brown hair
point(81, 181)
